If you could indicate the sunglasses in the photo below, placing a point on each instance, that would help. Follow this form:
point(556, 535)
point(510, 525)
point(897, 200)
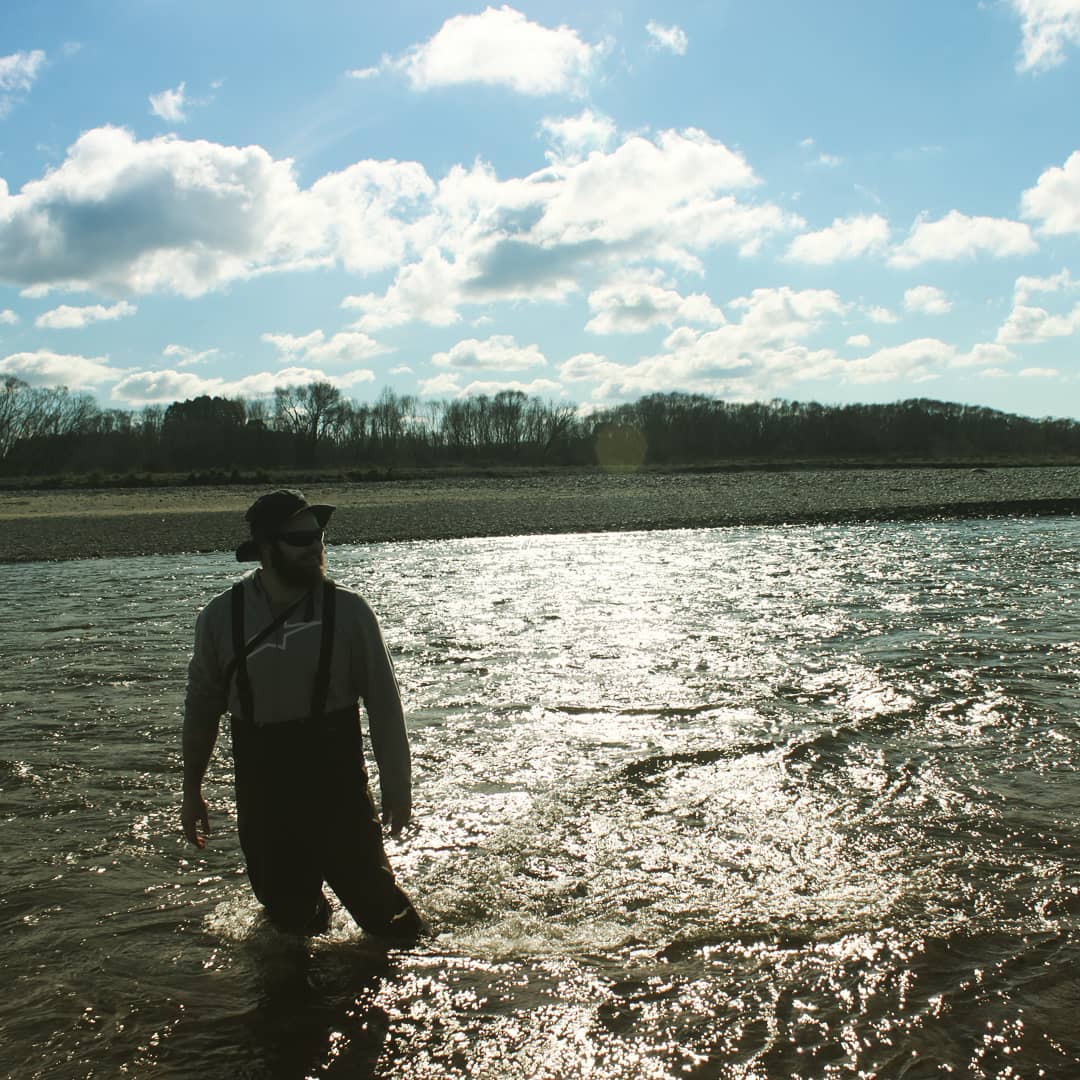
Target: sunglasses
point(301, 537)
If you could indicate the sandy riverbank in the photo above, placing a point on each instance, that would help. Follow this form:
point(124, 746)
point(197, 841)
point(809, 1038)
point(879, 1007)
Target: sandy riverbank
point(61, 524)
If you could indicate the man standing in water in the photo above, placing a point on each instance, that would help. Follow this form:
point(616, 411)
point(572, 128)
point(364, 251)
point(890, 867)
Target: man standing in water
point(290, 655)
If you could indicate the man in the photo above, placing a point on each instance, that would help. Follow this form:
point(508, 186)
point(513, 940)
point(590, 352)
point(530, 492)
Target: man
point(289, 655)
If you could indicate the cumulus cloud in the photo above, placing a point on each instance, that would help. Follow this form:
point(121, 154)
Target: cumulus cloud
point(846, 238)
point(1054, 201)
point(450, 384)
point(663, 199)
point(988, 356)
point(8, 317)
point(182, 356)
point(927, 299)
point(18, 72)
point(169, 105)
point(1038, 373)
point(45, 368)
point(958, 236)
point(497, 353)
point(66, 317)
point(631, 306)
point(347, 347)
point(501, 47)
point(672, 37)
point(1048, 26)
point(881, 315)
point(364, 73)
point(1026, 286)
point(169, 215)
point(162, 387)
point(768, 352)
point(1031, 325)
point(575, 137)
point(761, 351)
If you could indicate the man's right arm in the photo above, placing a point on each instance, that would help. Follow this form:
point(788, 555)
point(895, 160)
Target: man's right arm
point(199, 740)
point(205, 701)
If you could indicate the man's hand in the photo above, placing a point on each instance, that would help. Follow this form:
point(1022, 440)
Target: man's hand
point(397, 817)
point(194, 812)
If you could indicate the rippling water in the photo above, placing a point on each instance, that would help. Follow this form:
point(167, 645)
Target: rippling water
point(745, 803)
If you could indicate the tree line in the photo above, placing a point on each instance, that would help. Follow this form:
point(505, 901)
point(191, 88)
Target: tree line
point(52, 431)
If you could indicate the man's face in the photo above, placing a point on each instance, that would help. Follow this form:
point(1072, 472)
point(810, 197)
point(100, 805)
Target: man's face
point(298, 563)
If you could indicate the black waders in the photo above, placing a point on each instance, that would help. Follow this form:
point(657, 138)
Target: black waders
point(304, 808)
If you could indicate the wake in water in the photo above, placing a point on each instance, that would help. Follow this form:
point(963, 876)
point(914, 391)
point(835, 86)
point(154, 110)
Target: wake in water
point(755, 803)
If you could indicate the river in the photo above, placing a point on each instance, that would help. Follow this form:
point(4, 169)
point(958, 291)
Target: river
point(752, 802)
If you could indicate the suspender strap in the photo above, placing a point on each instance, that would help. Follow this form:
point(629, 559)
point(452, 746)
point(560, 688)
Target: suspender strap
point(242, 648)
point(326, 652)
point(259, 638)
point(240, 651)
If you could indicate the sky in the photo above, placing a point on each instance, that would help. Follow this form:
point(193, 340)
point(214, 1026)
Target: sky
point(835, 202)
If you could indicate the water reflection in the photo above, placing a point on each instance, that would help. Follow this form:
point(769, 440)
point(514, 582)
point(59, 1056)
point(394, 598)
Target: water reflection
point(790, 802)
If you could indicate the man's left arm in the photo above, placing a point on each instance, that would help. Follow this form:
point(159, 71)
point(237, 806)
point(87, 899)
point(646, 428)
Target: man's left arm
point(386, 719)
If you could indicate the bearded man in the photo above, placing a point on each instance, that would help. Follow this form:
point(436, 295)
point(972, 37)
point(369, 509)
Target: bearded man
point(290, 655)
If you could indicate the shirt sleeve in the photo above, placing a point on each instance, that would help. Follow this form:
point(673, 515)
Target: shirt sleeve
point(207, 694)
point(378, 687)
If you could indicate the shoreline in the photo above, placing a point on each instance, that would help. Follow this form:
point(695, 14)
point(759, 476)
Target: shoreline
point(53, 525)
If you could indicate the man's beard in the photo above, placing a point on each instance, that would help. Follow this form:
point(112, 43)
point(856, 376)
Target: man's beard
point(300, 575)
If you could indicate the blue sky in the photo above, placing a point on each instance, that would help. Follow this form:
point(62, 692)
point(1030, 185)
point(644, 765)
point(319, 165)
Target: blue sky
point(838, 202)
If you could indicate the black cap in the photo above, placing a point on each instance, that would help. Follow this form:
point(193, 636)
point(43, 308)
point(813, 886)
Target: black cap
point(268, 513)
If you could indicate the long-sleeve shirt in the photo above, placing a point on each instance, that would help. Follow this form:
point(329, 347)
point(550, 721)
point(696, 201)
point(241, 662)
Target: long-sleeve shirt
point(282, 669)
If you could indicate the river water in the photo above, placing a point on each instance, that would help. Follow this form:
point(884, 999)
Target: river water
point(773, 802)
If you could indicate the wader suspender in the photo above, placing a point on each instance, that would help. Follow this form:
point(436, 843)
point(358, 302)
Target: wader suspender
point(242, 648)
point(326, 652)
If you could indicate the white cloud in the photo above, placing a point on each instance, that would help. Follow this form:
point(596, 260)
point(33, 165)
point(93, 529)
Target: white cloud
point(66, 317)
point(501, 47)
point(1026, 286)
point(169, 215)
point(958, 236)
point(588, 367)
point(1054, 201)
point(927, 299)
point(575, 137)
point(45, 368)
point(440, 385)
point(982, 355)
point(364, 73)
point(765, 354)
point(881, 315)
point(182, 356)
point(847, 238)
point(667, 37)
point(1038, 373)
point(760, 353)
point(8, 317)
point(18, 71)
point(1048, 26)
point(497, 353)
point(631, 306)
point(1030, 325)
point(347, 347)
point(532, 238)
point(161, 387)
point(169, 105)
point(449, 384)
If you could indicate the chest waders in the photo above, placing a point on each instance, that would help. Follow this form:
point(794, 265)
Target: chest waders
point(303, 806)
